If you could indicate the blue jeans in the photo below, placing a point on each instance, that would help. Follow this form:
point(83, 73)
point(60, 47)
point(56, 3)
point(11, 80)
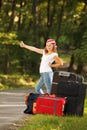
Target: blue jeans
point(45, 80)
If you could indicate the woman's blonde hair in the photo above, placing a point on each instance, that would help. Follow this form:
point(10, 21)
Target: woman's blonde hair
point(54, 45)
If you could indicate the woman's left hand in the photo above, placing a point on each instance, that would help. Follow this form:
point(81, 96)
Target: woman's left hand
point(49, 64)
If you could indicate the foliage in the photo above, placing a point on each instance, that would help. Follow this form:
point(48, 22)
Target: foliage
point(36, 21)
point(81, 55)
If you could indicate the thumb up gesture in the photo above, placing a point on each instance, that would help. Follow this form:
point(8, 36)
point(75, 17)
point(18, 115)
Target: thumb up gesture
point(22, 44)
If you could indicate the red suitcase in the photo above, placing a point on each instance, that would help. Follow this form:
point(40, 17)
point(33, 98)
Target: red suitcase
point(50, 105)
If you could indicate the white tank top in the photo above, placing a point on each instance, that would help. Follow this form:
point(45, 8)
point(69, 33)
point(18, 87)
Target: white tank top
point(44, 67)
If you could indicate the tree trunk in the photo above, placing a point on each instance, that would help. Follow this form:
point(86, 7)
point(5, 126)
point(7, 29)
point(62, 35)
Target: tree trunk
point(60, 19)
point(79, 67)
point(0, 4)
point(5, 64)
point(12, 16)
point(35, 21)
point(50, 16)
point(70, 68)
point(19, 17)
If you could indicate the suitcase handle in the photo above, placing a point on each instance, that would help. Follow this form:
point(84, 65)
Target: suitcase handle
point(63, 73)
point(48, 95)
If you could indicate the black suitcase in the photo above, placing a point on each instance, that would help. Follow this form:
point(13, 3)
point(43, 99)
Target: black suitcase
point(74, 92)
point(74, 106)
point(69, 88)
point(66, 76)
point(73, 89)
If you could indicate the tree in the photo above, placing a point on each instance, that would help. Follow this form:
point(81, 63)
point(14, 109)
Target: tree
point(79, 40)
point(11, 22)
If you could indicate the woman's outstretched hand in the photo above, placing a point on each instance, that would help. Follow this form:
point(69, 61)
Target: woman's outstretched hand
point(22, 44)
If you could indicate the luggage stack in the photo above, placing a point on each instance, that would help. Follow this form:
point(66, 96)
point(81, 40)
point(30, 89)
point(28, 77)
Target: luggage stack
point(71, 86)
point(44, 104)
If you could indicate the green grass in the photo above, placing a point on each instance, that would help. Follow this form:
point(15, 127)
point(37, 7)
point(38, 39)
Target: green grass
point(50, 122)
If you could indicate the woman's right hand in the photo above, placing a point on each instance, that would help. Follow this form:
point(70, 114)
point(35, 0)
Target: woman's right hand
point(22, 44)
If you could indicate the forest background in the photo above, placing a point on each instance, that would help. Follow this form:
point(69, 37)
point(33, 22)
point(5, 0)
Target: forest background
point(34, 21)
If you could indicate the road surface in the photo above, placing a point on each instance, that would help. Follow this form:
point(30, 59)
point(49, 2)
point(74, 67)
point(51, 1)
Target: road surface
point(12, 106)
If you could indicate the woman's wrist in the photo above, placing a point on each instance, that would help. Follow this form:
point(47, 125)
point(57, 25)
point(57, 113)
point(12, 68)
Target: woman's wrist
point(51, 65)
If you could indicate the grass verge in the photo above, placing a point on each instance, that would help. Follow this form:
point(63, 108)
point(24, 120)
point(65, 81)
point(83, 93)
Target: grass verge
point(17, 81)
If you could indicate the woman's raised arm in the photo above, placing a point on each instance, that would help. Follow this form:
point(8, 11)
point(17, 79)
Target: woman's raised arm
point(31, 48)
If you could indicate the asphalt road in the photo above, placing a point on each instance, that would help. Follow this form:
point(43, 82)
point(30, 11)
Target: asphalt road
point(12, 106)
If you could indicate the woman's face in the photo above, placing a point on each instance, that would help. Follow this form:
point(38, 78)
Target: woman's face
point(49, 46)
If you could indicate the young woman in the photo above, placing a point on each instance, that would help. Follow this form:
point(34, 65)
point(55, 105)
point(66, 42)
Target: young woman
point(49, 55)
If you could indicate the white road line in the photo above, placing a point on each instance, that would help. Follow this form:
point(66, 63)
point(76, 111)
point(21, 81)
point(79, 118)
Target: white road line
point(12, 105)
point(10, 93)
point(4, 123)
point(6, 117)
point(11, 102)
